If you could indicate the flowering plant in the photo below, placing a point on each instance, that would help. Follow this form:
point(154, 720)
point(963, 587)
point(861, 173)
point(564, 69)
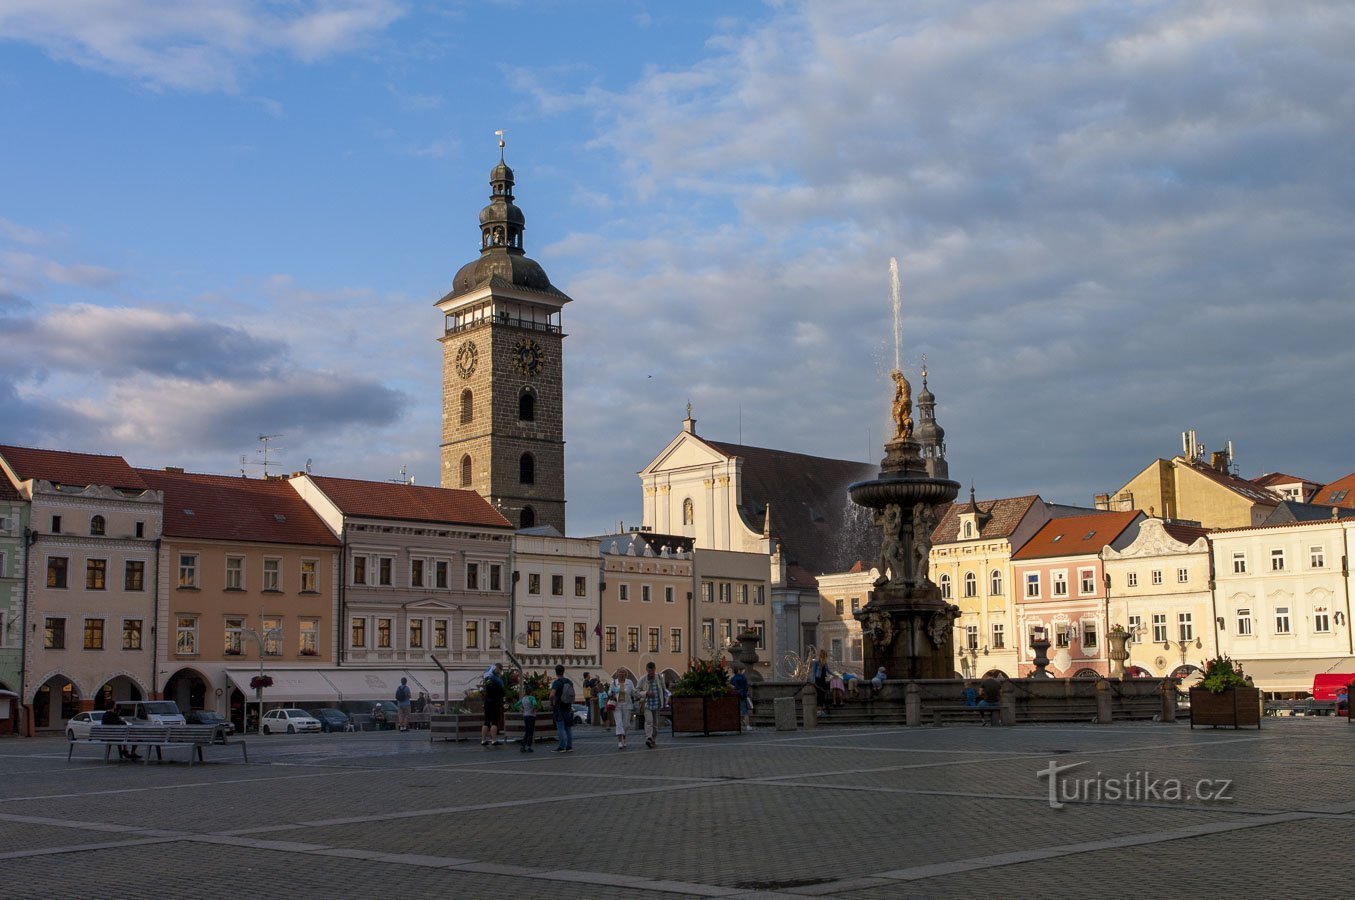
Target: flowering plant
point(1220, 674)
point(261, 681)
point(704, 679)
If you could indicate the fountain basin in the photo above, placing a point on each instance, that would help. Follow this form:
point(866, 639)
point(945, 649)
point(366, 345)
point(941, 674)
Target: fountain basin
point(903, 490)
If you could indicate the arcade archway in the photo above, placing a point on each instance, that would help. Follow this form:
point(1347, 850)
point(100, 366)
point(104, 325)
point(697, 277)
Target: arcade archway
point(119, 687)
point(188, 689)
point(55, 701)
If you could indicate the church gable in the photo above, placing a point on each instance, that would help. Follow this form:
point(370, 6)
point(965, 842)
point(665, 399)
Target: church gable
point(685, 451)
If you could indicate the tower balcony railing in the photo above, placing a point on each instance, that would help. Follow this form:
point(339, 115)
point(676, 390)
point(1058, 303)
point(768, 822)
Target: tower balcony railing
point(502, 318)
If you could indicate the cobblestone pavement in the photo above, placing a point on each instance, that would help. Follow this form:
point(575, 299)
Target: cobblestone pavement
point(960, 811)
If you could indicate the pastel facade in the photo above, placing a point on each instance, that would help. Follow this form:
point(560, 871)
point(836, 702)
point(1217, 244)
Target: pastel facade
point(732, 591)
point(841, 596)
point(646, 602)
point(556, 608)
point(972, 546)
point(13, 562)
point(90, 581)
point(1061, 578)
point(1185, 488)
point(1159, 591)
point(1283, 600)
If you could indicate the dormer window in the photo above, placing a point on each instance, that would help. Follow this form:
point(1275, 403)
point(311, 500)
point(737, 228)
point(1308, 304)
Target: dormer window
point(96, 525)
point(969, 529)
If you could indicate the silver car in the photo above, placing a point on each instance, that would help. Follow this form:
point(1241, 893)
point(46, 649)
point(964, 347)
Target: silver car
point(289, 721)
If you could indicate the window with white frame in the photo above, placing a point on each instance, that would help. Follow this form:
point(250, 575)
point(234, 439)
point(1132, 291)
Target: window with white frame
point(272, 642)
point(383, 634)
point(945, 587)
point(1159, 628)
point(1244, 623)
point(995, 582)
point(759, 596)
point(856, 605)
point(1131, 579)
point(440, 570)
point(472, 576)
point(534, 634)
point(235, 573)
point(743, 593)
point(557, 635)
point(495, 577)
point(1033, 584)
point(1321, 621)
point(1239, 563)
point(999, 636)
point(472, 634)
point(1277, 560)
point(1282, 620)
point(186, 635)
point(971, 584)
point(760, 627)
point(415, 638)
point(669, 594)
point(726, 592)
point(708, 632)
point(1317, 557)
point(359, 570)
point(645, 596)
point(439, 634)
point(357, 634)
point(1185, 627)
point(633, 639)
point(534, 582)
point(1086, 581)
point(707, 592)
point(1059, 584)
point(609, 638)
point(674, 640)
point(188, 570)
point(1135, 628)
point(1062, 635)
point(96, 574)
point(94, 634)
point(655, 636)
point(623, 593)
point(1089, 636)
point(308, 643)
point(581, 586)
point(235, 636)
point(971, 637)
point(495, 638)
point(131, 634)
point(1157, 576)
point(385, 571)
point(54, 633)
point(416, 572)
point(557, 585)
point(309, 576)
point(272, 574)
point(580, 636)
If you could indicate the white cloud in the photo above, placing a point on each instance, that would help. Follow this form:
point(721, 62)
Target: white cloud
point(194, 46)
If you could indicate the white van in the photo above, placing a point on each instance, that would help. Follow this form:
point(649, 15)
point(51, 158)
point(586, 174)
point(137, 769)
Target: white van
point(150, 712)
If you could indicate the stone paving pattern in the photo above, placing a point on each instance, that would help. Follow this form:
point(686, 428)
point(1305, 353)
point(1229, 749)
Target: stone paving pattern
point(852, 813)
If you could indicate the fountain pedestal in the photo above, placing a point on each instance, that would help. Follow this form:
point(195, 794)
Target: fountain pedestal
point(907, 626)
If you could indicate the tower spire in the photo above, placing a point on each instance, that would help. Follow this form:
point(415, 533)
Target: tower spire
point(931, 437)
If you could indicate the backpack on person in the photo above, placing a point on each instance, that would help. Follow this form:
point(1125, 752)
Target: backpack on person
point(567, 693)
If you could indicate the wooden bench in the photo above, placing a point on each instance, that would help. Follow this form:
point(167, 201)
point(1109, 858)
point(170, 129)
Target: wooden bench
point(159, 738)
point(202, 736)
point(941, 711)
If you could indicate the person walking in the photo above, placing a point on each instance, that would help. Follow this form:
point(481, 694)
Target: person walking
point(740, 685)
point(818, 672)
point(528, 723)
point(654, 693)
point(562, 708)
point(493, 694)
point(402, 705)
point(621, 704)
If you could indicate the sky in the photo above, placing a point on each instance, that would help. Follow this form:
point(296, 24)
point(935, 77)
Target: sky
point(1113, 223)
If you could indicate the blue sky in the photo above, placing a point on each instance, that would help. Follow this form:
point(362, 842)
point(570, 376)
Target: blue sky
point(1114, 222)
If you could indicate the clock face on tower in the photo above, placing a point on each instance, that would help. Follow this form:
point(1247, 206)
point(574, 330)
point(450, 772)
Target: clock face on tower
point(466, 357)
point(527, 356)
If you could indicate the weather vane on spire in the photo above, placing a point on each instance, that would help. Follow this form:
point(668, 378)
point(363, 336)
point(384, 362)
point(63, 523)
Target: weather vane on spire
point(499, 133)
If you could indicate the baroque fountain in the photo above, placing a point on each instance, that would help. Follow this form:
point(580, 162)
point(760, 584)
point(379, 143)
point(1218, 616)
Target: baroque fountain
point(908, 627)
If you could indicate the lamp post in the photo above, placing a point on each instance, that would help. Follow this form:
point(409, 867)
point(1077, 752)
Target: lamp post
point(1184, 646)
point(261, 636)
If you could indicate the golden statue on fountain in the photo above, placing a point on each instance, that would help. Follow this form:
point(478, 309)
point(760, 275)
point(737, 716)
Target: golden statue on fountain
point(903, 407)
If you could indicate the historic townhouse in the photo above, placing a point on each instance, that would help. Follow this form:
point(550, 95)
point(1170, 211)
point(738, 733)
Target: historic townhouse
point(971, 563)
point(841, 597)
point(646, 602)
point(731, 598)
point(13, 528)
point(1061, 579)
point(425, 573)
point(1159, 590)
point(248, 572)
point(91, 600)
point(556, 605)
point(1283, 600)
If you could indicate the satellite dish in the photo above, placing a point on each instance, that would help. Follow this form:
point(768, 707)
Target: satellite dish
point(308, 465)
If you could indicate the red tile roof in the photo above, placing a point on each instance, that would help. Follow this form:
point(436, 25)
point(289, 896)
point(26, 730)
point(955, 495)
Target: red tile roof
point(1344, 515)
point(409, 502)
point(231, 508)
point(64, 467)
point(1186, 534)
point(1331, 494)
point(7, 490)
point(1273, 478)
point(1077, 535)
point(997, 518)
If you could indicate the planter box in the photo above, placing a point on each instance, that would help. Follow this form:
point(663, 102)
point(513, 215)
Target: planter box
point(1235, 707)
point(706, 714)
point(466, 727)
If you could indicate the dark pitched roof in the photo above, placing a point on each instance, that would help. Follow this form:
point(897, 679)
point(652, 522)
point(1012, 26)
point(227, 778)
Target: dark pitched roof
point(409, 502)
point(1340, 492)
point(1344, 515)
point(819, 528)
point(1186, 534)
point(65, 467)
point(1076, 536)
point(1248, 489)
point(1003, 517)
point(230, 508)
point(1290, 511)
point(800, 577)
point(7, 490)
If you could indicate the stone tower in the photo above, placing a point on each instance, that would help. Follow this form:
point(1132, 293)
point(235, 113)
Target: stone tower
point(931, 437)
point(502, 373)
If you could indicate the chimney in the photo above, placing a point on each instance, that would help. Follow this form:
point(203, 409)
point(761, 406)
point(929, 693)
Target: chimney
point(174, 470)
point(1218, 461)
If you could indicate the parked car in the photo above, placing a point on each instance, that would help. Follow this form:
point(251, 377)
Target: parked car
point(289, 720)
point(77, 728)
point(225, 728)
point(580, 714)
point(330, 719)
point(150, 712)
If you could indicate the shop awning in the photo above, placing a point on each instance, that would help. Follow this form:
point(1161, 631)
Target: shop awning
point(380, 684)
point(1293, 675)
point(289, 685)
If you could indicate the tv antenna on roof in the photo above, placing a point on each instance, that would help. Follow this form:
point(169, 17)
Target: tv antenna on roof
point(404, 478)
point(263, 452)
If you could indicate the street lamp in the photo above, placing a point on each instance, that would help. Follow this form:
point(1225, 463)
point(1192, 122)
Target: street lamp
point(1184, 646)
point(261, 636)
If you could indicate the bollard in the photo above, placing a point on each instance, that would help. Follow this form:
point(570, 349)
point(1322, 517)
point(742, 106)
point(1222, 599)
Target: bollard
point(1168, 702)
point(784, 707)
point(912, 705)
point(1103, 711)
point(1007, 702)
point(811, 709)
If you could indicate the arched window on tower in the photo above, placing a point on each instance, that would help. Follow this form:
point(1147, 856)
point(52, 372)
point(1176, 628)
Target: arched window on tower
point(527, 469)
point(528, 518)
point(467, 407)
point(527, 405)
point(465, 470)
point(945, 587)
point(688, 512)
